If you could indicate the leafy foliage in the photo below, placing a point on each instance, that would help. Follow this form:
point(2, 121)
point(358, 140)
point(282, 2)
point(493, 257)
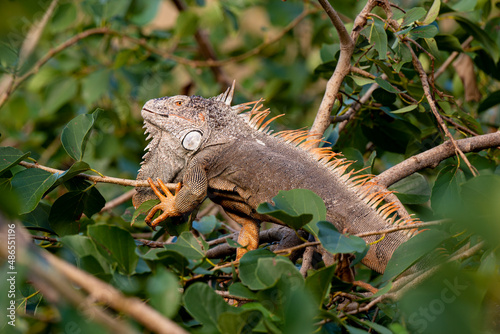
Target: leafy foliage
point(70, 99)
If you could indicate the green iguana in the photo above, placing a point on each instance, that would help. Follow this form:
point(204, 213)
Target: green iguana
point(215, 150)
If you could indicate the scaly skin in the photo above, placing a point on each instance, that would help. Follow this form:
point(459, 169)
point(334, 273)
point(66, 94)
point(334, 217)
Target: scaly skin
point(216, 152)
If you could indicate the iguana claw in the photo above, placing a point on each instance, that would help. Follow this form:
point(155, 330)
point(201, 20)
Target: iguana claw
point(167, 204)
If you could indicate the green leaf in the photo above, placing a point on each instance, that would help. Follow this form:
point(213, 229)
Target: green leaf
point(205, 305)
point(243, 322)
point(144, 208)
point(187, 23)
point(405, 109)
point(175, 261)
point(94, 202)
point(95, 85)
point(83, 246)
point(77, 168)
point(60, 93)
point(386, 85)
point(412, 15)
point(446, 189)
point(269, 271)
point(424, 32)
point(143, 12)
point(431, 45)
point(38, 219)
point(66, 211)
point(490, 101)
point(464, 5)
point(295, 208)
point(403, 55)
point(336, 242)
point(64, 16)
point(238, 289)
point(31, 184)
point(480, 35)
point(355, 330)
point(433, 13)
point(318, 283)
point(75, 134)
point(378, 328)
point(248, 268)
point(116, 245)
point(408, 253)
point(361, 81)
point(188, 246)
point(413, 189)
point(10, 156)
point(478, 209)
point(163, 292)
point(205, 225)
point(448, 43)
point(378, 37)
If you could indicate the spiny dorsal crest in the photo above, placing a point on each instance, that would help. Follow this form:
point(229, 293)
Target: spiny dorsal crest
point(360, 184)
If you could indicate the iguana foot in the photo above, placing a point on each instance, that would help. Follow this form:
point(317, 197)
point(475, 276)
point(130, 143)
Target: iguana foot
point(167, 204)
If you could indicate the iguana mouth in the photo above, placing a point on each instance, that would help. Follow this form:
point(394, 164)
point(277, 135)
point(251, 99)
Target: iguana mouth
point(168, 115)
point(153, 112)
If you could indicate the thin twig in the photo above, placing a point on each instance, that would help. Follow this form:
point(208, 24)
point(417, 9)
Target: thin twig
point(226, 294)
point(97, 179)
point(399, 228)
point(118, 200)
point(432, 104)
point(452, 57)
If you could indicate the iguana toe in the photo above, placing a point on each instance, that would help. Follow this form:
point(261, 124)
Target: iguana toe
point(167, 204)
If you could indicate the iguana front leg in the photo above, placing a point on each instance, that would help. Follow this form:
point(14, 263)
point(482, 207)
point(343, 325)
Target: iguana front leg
point(188, 195)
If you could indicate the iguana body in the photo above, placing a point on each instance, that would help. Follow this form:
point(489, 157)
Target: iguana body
point(215, 151)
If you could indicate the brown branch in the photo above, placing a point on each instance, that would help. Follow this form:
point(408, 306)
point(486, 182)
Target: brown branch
point(459, 127)
point(118, 200)
point(452, 57)
point(367, 306)
point(432, 103)
point(43, 238)
point(322, 120)
point(226, 294)
point(54, 274)
point(307, 260)
point(431, 158)
point(357, 105)
point(97, 179)
point(141, 42)
point(48, 56)
point(152, 244)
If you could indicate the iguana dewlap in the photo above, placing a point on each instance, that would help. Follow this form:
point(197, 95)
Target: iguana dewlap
point(214, 150)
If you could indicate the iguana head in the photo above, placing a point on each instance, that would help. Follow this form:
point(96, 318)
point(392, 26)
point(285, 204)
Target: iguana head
point(179, 126)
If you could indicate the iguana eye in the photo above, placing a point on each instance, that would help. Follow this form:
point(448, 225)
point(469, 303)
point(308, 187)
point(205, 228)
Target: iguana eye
point(192, 140)
point(178, 103)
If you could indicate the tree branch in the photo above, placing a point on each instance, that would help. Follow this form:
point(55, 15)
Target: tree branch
point(97, 179)
point(432, 103)
point(431, 158)
point(322, 120)
point(54, 273)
